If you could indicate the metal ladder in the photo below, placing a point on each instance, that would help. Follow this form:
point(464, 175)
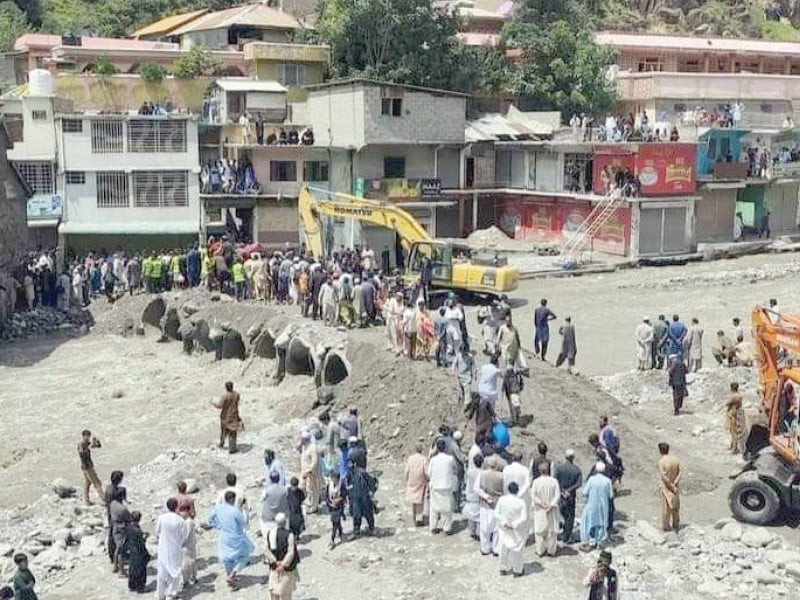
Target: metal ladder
point(572, 248)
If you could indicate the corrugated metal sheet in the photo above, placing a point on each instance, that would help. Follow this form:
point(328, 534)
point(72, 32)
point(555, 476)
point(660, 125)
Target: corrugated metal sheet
point(167, 24)
point(252, 15)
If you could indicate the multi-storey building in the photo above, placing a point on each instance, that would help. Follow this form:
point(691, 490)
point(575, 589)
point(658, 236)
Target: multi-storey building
point(106, 180)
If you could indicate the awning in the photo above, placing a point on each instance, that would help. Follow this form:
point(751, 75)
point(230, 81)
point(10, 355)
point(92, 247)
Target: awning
point(131, 228)
point(37, 223)
point(425, 204)
point(723, 185)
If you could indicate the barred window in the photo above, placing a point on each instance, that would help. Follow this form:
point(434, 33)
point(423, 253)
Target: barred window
point(72, 125)
point(106, 136)
point(76, 177)
point(160, 188)
point(38, 176)
point(112, 190)
point(156, 135)
point(291, 74)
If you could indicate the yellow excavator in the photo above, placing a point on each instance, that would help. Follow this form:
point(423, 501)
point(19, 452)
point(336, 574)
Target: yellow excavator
point(454, 267)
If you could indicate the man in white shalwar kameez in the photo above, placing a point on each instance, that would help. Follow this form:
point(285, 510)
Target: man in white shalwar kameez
point(172, 532)
point(644, 344)
point(545, 494)
point(512, 527)
point(516, 472)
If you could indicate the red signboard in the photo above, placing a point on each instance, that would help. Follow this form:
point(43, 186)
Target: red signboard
point(555, 220)
point(666, 169)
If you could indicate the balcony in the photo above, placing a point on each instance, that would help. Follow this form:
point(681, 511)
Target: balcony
point(301, 53)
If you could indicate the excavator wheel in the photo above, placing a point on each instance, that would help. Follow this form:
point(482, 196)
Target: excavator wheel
point(753, 500)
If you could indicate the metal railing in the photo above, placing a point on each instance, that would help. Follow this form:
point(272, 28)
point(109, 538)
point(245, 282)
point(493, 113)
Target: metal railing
point(574, 245)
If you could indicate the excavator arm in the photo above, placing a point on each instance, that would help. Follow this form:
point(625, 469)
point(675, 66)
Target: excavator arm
point(774, 335)
point(349, 207)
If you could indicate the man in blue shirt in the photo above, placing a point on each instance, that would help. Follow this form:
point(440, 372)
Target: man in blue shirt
point(541, 320)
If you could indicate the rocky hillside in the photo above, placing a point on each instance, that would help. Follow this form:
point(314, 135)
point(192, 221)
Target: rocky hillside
point(772, 19)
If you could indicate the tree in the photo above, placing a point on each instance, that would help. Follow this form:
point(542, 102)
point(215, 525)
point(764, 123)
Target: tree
point(151, 71)
point(404, 41)
point(197, 61)
point(560, 67)
point(12, 25)
point(102, 66)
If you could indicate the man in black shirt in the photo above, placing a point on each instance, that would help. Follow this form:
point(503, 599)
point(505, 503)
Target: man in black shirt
point(90, 478)
point(569, 478)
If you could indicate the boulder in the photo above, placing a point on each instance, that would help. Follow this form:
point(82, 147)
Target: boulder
point(781, 558)
point(732, 531)
point(713, 588)
point(756, 538)
point(91, 545)
point(117, 393)
point(719, 524)
point(6, 549)
point(650, 533)
point(192, 487)
point(62, 488)
point(80, 532)
point(201, 335)
point(763, 575)
point(233, 345)
point(189, 308)
point(53, 558)
point(153, 312)
point(793, 570)
point(171, 324)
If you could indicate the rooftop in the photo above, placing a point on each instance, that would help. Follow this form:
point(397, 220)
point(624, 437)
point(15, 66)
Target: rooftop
point(696, 43)
point(256, 15)
point(44, 41)
point(168, 24)
point(356, 81)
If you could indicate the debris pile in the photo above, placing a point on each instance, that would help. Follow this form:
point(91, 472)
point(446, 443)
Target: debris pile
point(43, 320)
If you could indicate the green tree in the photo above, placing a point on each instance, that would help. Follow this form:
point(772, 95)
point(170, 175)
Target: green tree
point(12, 25)
point(102, 66)
point(151, 71)
point(404, 41)
point(197, 61)
point(559, 67)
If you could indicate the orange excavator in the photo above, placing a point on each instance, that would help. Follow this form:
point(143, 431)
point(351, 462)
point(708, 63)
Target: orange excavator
point(770, 480)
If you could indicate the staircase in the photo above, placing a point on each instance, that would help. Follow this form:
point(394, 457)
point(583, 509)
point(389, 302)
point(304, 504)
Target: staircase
point(573, 247)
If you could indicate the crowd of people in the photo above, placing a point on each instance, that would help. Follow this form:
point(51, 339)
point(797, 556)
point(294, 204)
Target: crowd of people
point(727, 115)
point(156, 108)
point(228, 176)
point(621, 128)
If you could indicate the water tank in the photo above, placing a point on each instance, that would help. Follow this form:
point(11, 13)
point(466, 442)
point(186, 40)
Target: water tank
point(40, 83)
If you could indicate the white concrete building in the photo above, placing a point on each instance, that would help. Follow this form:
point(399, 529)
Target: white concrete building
point(103, 181)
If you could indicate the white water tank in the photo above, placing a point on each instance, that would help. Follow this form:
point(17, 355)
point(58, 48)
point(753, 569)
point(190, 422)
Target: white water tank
point(40, 83)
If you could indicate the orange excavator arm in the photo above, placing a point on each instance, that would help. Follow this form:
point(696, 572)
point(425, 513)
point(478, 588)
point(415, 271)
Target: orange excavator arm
point(775, 334)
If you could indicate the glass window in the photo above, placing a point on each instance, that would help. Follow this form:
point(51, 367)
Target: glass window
point(291, 74)
point(72, 125)
point(76, 177)
point(315, 170)
point(283, 170)
point(392, 107)
point(394, 167)
point(39, 115)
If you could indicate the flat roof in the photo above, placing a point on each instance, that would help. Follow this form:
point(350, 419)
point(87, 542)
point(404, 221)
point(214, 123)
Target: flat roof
point(249, 85)
point(48, 42)
point(167, 24)
point(663, 42)
point(354, 81)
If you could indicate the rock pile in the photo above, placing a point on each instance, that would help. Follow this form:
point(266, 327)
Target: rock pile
point(768, 272)
point(725, 560)
point(42, 320)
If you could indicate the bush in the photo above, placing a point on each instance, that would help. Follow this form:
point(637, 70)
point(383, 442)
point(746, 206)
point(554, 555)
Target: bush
point(102, 66)
point(151, 72)
point(195, 62)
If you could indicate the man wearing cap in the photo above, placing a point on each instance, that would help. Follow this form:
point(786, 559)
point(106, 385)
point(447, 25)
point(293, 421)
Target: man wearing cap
point(644, 344)
point(282, 557)
point(597, 495)
point(569, 478)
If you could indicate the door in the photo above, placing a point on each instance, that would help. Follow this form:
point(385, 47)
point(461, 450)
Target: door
point(650, 231)
point(674, 236)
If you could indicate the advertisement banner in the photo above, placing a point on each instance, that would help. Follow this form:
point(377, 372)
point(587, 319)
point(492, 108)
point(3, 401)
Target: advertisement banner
point(556, 221)
point(666, 169)
point(392, 189)
point(45, 207)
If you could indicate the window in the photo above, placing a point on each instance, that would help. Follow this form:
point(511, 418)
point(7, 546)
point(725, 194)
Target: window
point(72, 126)
point(106, 136)
point(112, 189)
point(315, 170)
point(38, 176)
point(650, 64)
point(283, 170)
point(156, 135)
point(152, 189)
point(291, 74)
point(392, 107)
point(394, 167)
point(76, 178)
point(39, 115)
point(689, 65)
